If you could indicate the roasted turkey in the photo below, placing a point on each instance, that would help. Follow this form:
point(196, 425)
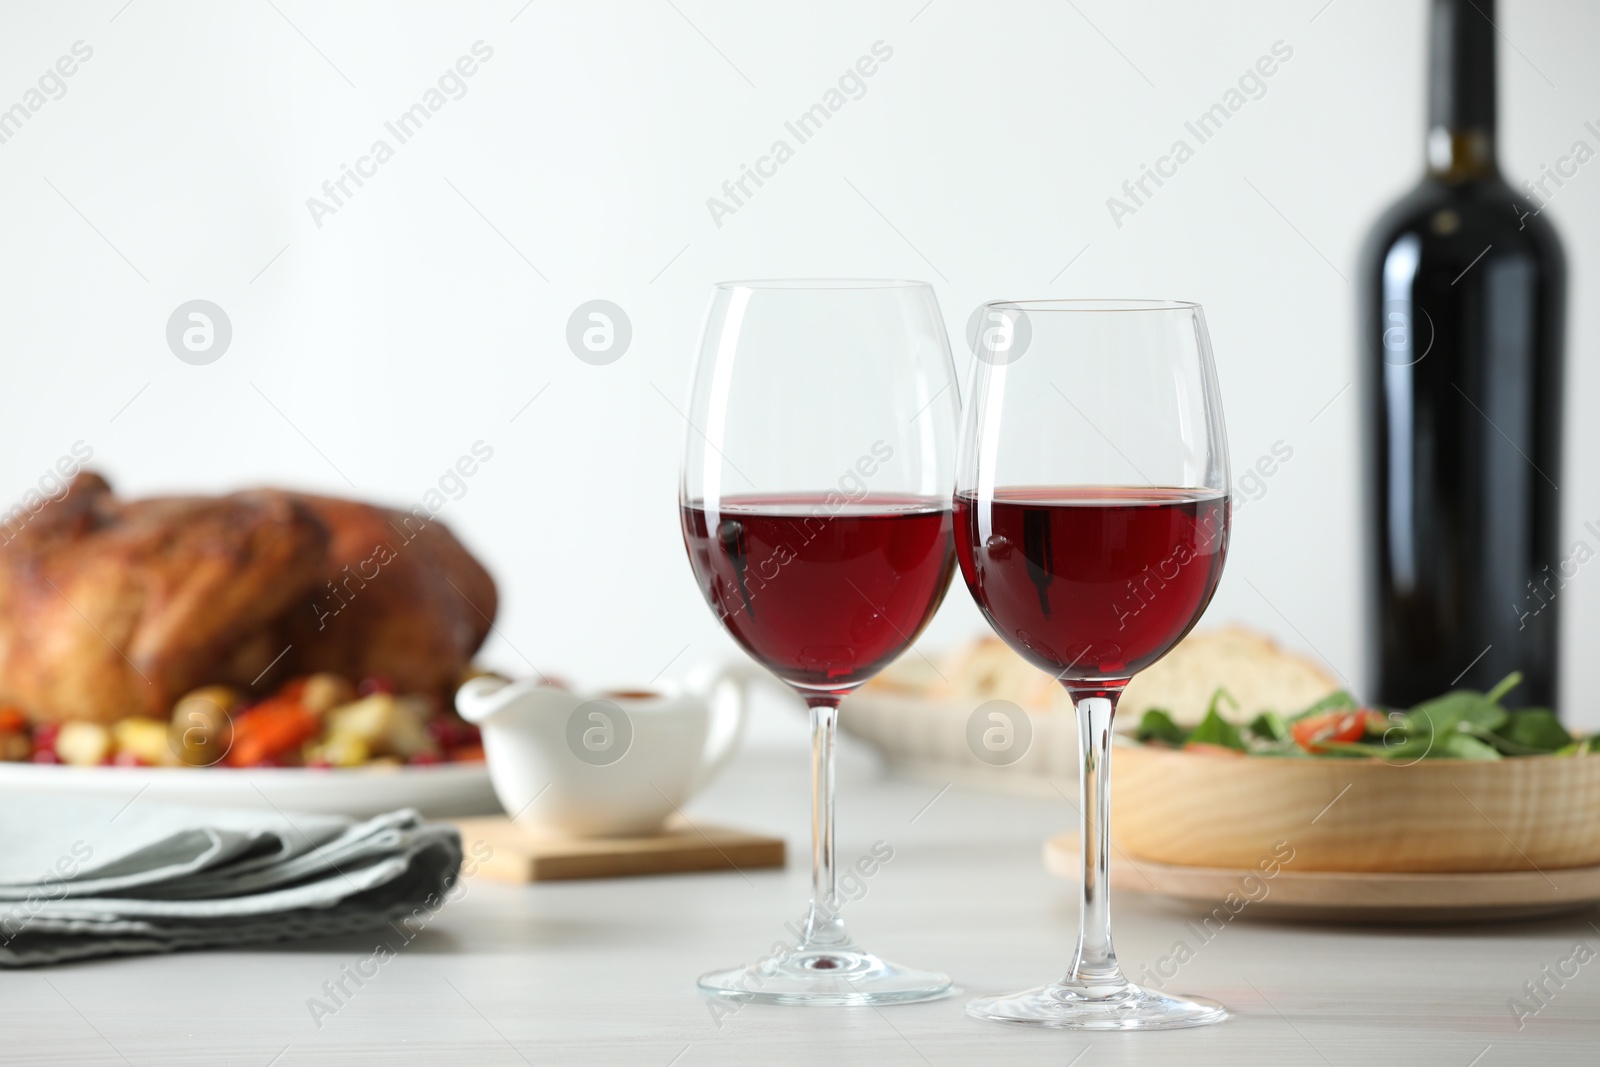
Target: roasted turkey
point(114, 607)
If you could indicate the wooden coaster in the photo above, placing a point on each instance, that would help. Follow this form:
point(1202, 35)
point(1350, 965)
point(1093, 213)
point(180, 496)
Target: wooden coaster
point(522, 856)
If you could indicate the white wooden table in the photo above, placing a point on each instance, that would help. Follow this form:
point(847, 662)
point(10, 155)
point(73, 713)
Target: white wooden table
point(603, 972)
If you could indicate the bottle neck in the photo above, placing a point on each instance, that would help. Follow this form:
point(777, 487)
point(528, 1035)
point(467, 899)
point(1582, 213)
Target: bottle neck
point(1460, 155)
point(1461, 89)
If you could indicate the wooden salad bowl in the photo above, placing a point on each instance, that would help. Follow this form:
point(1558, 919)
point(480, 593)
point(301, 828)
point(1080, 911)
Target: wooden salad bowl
point(1203, 809)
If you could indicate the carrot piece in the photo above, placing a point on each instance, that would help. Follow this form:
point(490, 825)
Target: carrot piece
point(269, 730)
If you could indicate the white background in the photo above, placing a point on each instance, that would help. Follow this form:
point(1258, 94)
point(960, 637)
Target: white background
point(421, 317)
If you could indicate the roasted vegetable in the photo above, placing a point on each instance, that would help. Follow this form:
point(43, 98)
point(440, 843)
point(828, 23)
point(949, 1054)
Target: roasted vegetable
point(142, 742)
point(388, 725)
point(201, 730)
point(83, 744)
point(271, 731)
point(320, 720)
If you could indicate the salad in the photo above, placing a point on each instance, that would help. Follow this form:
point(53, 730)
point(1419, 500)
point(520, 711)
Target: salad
point(1461, 724)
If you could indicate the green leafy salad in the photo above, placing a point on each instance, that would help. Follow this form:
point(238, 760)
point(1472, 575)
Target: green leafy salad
point(1461, 724)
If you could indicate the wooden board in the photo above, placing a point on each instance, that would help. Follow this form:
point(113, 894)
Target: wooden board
point(1346, 896)
point(521, 856)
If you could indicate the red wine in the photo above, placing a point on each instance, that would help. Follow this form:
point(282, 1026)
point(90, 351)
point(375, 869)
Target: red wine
point(1092, 583)
point(1462, 285)
point(822, 592)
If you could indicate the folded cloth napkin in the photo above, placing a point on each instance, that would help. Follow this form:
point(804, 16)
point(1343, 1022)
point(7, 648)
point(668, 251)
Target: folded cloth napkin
point(82, 878)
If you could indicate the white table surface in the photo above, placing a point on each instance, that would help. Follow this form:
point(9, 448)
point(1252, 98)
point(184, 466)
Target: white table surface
point(603, 971)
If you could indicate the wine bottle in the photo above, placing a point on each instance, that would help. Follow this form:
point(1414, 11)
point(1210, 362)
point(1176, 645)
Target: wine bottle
point(1462, 287)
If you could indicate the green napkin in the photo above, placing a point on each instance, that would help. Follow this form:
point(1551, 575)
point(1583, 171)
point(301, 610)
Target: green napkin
point(84, 878)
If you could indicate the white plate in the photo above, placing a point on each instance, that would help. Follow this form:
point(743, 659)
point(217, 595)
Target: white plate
point(438, 791)
point(928, 739)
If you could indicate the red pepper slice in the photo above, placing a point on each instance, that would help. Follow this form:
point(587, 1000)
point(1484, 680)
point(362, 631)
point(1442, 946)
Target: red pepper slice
point(1338, 726)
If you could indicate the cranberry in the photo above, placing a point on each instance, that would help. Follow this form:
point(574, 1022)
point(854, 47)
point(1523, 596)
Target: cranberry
point(45, 755)
point(450, 732)
point(127, 759)
point(424, 759)
point(374, 684)
point(44, 736)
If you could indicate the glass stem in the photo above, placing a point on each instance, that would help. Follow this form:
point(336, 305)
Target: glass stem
point(1094, 969)
point(823, 927)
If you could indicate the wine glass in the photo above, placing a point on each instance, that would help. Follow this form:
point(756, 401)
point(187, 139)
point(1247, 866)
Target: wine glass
point(815, 504)
point(1091, 523)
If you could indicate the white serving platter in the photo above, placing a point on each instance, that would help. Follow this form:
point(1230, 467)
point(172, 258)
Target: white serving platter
point(445, 790)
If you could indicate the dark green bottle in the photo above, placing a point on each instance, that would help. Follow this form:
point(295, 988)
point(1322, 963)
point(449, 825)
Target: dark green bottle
point(1462, 287)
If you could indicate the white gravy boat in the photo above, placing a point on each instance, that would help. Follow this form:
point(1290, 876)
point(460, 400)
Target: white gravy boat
point(604, 764)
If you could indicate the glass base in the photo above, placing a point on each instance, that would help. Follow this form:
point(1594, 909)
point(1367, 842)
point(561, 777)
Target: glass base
point(826, 976)
point(1128, 1007)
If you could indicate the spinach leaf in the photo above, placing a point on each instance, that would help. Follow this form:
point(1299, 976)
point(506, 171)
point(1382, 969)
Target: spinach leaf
point(1442, 716)
point(1215, 730)
point(1503, 686)
point(1157, 725)
point(1535, 729)
point(1269, 726)
point(1217, 698)
point(1339, 700)
point(1465, 746)
point(1404, 747)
